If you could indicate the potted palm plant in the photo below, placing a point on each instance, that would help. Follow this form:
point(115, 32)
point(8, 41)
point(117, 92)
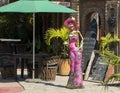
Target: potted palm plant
point(61, 35)
point(108, 53)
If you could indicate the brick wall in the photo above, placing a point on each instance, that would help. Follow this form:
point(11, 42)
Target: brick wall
point(87, 8)
point(75, 6)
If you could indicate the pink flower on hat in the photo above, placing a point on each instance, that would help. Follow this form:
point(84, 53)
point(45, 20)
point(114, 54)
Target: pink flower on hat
point(71, 24)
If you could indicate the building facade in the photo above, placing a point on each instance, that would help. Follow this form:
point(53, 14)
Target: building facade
point(108, 18)
point(107, 14)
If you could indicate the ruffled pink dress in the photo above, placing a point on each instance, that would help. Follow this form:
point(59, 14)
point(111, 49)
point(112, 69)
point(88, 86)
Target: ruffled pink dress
point(75, 79)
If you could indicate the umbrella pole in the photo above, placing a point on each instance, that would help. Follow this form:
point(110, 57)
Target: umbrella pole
point(33, 71)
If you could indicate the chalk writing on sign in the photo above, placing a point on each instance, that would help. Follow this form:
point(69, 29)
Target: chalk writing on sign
point(88, 47)
point(98, 70)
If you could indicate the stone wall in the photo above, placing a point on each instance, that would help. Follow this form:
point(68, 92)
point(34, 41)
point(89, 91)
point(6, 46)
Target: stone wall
point(88, 7)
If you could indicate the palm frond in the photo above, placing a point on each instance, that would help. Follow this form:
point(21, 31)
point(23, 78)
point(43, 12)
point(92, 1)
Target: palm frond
point(51, 33)
point(107, 40)
point(64, 33)
point(113, 78)
point(116, 39)
point(113, 59)
point(56, 33)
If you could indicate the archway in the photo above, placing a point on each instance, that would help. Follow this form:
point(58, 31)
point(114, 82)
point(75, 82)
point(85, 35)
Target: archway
point(93, 26)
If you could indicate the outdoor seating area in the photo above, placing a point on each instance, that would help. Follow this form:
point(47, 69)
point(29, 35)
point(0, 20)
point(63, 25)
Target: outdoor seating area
point(6, 61)
point(60, 45)
point(7, 69)
point(45, 69)
point(45, 65)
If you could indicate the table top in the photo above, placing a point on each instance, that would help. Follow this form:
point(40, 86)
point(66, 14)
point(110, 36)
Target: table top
point(10, 40)
point(30, 56)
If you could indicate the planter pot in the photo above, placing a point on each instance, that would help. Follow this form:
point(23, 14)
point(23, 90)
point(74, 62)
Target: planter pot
point(64, 67)
point(48, 68)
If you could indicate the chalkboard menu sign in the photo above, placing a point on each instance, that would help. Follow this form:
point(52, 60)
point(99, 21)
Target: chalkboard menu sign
point(88, 47)
point(98, 70)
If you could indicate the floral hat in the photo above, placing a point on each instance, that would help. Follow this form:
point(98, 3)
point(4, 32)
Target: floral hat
point(71, 24)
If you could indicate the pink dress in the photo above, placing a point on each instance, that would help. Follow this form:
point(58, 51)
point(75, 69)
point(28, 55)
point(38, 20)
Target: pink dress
point(75, 79)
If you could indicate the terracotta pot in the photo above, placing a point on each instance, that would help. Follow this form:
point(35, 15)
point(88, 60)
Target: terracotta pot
point(64, 67)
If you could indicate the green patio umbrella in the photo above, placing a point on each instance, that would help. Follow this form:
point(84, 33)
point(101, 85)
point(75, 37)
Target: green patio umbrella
point(35, 6)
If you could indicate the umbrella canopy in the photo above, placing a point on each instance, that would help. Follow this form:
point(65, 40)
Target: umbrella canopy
point(35, 6)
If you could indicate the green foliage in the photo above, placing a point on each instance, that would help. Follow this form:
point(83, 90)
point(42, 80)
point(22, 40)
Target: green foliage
point(106, 53)
point(113, 59)
point(107, 41)
point(19, 25)
point(56, 33)
point(15, 25)
point(59, 34)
